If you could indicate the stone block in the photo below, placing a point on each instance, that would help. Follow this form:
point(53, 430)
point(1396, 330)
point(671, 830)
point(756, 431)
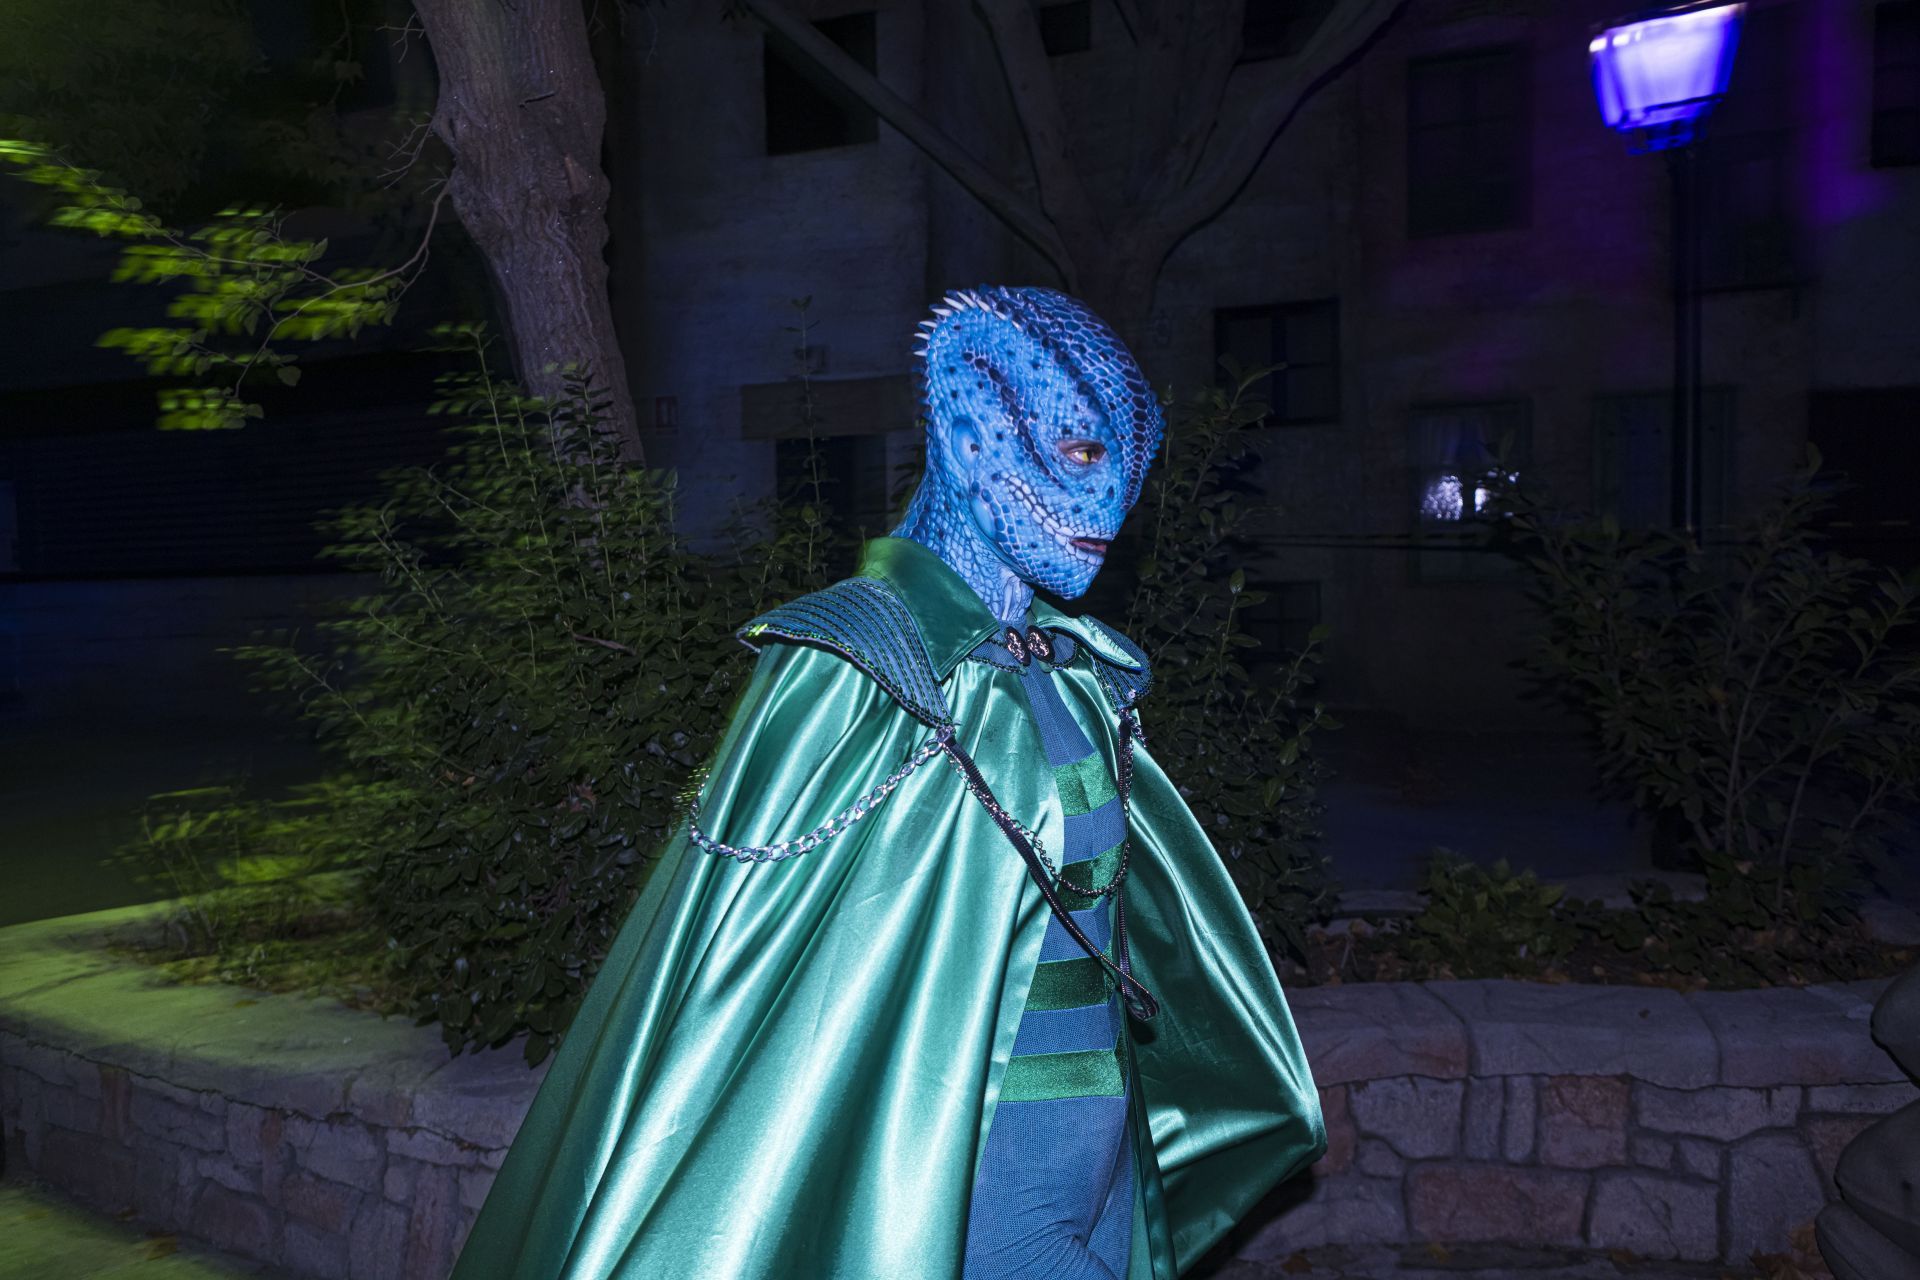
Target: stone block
point(115, 1092)
point(1524, 1028)
point(1496, 1203)
point(1721, 1114)
point(1349, 1210)
point(1420, 1118)
point(1655, 1216)
point(251, 1132)
point(481, 1098)
point(1340, 1135)
point(221, 1168)
point(89, 1168)
point(1772, 1189)
point(1377, 1159)
point(1698, 1158)
point(319, 1254)
point(1583, 1121)
point(323, 1205)
point(1862, 1099)
point(163, 1183)
point(1376, 1030)
point(343, 1152)
point(233, 1221)
point(1520, 1122)
point(474, 1185)
point(432, 1220)
point(1480, 1126)
point(1794, 1036)
point(376, 1247)
point(400, 1178)
point(158, 1112)
point(429, 1148)
point(1650, 1152)
point(61, 1105)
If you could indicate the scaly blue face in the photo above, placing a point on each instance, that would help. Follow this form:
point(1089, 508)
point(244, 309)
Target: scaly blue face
point(1040, 428)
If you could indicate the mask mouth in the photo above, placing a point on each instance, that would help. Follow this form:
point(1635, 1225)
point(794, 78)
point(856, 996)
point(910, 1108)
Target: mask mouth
point(1092, 546)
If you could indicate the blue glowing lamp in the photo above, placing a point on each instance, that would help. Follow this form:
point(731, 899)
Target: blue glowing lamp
point(1659, 72)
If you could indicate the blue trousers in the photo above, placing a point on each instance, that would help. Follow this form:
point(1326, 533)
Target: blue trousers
point(1053, 1199)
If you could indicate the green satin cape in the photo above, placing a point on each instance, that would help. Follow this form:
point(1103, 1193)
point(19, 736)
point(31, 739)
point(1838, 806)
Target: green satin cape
point(788, 1069)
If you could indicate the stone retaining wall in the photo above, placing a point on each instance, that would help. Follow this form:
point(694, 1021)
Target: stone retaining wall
point(338, 1145)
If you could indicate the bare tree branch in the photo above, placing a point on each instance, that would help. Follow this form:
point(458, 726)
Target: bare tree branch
point(1191, 80)
point(1063, 192)
point(1139, 22)
point(1280, 89)
point(1020, 215)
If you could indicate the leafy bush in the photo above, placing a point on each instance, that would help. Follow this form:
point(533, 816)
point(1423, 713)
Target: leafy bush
point(544, 662)
point(1764, 693)
point(1240, 749)
point(1487, 922)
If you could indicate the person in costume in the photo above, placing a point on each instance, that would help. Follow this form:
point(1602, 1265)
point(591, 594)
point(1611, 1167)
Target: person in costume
point(941, 978)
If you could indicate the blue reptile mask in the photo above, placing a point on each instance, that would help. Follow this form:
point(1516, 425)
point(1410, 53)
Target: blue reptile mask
point(1040, 428)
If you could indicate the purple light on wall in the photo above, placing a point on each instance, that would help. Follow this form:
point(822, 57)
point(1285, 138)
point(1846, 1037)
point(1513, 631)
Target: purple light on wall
point(1661, 71)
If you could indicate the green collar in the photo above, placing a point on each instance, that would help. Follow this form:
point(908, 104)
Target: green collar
point(952, 619)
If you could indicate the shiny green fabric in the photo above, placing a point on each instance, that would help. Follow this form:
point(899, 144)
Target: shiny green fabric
point(789, 1069)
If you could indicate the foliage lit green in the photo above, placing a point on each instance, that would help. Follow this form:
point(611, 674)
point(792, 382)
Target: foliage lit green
point(1486, 922)
point(1240, 748)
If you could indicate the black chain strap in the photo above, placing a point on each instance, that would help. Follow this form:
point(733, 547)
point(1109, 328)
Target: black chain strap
point(1139, 1001)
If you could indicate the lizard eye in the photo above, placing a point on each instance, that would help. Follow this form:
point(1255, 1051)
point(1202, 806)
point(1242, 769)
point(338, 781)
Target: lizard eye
point(1084, 452)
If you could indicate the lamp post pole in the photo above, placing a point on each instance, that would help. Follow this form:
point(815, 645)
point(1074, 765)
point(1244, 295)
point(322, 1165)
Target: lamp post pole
point(1683, 166)
point(1656, 75)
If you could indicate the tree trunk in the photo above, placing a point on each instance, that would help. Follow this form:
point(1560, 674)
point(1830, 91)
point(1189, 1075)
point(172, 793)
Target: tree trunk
point(522, 110)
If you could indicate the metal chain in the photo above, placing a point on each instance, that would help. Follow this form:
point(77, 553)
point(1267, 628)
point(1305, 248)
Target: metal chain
point(832, 827)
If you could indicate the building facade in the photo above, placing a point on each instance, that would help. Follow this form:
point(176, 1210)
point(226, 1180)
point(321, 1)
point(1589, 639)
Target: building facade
point(1446, 249)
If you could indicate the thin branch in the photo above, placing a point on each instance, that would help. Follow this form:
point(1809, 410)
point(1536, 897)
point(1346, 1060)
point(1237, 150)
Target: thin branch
point(1063, 194)
point(1284, 87)
point(1019, 213)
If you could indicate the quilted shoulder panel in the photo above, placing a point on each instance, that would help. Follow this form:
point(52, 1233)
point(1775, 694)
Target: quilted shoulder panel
point(863, 621)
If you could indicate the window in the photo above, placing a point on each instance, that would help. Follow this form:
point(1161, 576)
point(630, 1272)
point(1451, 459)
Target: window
point(1282, 622)
point(806, 109)
point(1304, 337)
point(853, 479)
point(1456, 451)
point(1468, 161)
point(1896, 83)
point(1868, 445)
point(1633, 458)
point(1746, 213)
point(1066, 27)
point(1280, 28)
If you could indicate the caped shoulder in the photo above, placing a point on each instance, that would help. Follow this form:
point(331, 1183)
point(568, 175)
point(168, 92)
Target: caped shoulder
point(864, 621)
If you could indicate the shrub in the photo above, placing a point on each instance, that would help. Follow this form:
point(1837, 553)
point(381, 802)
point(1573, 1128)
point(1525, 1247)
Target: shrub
point(1763, 693)
point(1240, 749)
point(1487, 922)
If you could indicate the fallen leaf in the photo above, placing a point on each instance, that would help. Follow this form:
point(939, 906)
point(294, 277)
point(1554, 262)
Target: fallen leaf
point(1297, 1264)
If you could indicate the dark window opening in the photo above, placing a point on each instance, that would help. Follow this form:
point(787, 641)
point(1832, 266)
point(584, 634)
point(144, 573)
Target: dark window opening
point(1469, 165)
point(807, 110)
point(1747, 225)
point(1459, 453)
point(1633, 458)
point(1303, 338)
point(853, 479)
point(1896, 84)
point(1066, 27)
point(1871, 452)
point(1282, 622)
point(1280, 28)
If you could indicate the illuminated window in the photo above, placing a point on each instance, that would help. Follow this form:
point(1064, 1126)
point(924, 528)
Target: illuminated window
point(1896, 83)
point(1066, 27)
point(808, 110)
point(1457, 455)
point(1469, 165)
point(1304, 337)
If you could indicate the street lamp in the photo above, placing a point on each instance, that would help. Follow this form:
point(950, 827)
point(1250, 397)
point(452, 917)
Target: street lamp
point(1656, 75)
